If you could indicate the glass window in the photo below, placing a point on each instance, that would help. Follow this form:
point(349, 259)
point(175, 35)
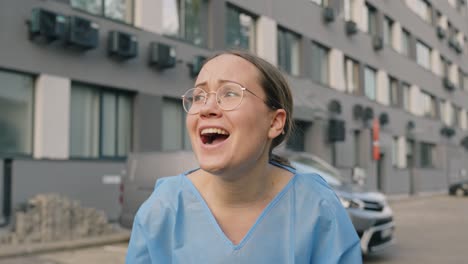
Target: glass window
point(370, 83)
point(461, 80)
point(348, 9)
point(16, 113)
point(174, 136)
point(297, 140)
point(240, 29)
point(465, 81)
point(429, 105)
point(424, 10)
point(288, 51)
point(427, 155)
point(405, 42)
point(319, 63)
point(120, 10)
point(395, 151)
point(387, 31)
point(352, 76)
point(445, 66)
point(406, 96)
point(186, 19)
point(371, 20)
point(100, 122)
point(320, 2)
point(442, 110)
point(423, 55)
point(394, 91)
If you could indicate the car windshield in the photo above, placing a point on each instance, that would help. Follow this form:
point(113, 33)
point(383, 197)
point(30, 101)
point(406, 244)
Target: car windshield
point(310, 165)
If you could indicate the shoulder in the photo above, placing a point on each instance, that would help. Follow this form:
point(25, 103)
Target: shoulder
point(313, 189)
point(163, 199)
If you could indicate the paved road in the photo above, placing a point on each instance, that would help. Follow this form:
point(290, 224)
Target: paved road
point(429, 230)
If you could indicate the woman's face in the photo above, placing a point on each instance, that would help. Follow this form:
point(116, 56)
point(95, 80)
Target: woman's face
point(227, 142)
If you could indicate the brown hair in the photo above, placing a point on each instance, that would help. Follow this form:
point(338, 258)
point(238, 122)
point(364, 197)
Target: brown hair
point(277, 91)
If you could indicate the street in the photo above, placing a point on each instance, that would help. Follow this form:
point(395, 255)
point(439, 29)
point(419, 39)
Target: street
point(428, 230)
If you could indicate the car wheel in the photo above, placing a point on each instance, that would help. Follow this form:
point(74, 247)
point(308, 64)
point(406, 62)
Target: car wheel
point(459, 192)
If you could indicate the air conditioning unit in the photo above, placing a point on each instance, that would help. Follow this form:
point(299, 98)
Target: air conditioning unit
point(351, 27)
point(447, 131)
point(377, 42)
point(449, 86)
point(82, 33)
point(458, 47)
point(328, 14)
point(368, 113)
point(47, 24)
point(122, 45)
point(384, 119)
point(452, 42)
point(440, 32)
point(162, 56)
point(196, 65)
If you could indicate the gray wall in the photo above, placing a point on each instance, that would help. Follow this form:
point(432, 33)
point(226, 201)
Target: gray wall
point(311, 99)
point(78, 180)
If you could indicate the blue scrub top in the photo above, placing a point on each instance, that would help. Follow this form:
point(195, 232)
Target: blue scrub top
point(304, 223)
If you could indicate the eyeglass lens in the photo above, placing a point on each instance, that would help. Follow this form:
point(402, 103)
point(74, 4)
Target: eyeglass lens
point(228, 97)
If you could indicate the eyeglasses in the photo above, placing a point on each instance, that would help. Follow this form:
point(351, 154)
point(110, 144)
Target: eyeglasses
point(228, 97)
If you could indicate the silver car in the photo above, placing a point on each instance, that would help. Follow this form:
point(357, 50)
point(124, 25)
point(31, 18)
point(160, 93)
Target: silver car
point(369, 211)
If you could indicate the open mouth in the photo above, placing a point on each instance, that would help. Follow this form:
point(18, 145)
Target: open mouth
point(213, 135)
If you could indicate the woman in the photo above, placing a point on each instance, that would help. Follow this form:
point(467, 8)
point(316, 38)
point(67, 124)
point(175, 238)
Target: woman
point(243, 205)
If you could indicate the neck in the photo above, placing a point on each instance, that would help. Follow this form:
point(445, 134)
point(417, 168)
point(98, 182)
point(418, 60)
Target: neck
point(242, 188)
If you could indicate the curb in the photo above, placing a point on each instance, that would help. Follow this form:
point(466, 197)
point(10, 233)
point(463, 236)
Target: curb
point(22, 250)
point(405, 197)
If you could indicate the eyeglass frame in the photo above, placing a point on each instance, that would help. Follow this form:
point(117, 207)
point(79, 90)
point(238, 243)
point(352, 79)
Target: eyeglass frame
point(217, 102)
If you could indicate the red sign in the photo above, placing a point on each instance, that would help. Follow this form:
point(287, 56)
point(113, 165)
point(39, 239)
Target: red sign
point(375, 140)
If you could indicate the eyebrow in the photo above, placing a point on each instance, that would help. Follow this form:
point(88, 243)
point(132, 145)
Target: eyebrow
point(220, 82)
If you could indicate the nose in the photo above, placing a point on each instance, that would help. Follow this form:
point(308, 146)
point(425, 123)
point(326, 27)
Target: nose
point(211, 107)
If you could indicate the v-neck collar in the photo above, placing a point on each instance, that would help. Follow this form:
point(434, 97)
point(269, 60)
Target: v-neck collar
point(265, 211)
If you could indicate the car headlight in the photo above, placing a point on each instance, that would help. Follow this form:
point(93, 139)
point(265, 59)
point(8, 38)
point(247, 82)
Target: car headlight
point(352, 203)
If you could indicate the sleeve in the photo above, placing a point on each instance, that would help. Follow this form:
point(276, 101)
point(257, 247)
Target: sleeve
point(336, 238)
point(138, 251)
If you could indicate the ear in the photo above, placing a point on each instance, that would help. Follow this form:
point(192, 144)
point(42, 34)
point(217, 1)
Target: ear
point(277, 123)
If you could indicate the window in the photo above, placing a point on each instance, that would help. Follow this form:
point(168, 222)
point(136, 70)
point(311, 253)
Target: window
point(465, 81)
point(371, 20)
point(100, 122)
point(16, 113)
point(370, 84)
point(174, 135)
point(349, 6)
point(297, 140)
point(320, 2)
point(357, 147)
point(240, 29)
point(288, 51)
point(394, 91)
point(406, 92)
point(319, 63)
point(405, 42)
point(423, 55)
point(427, 155)
point(429, 105)
point(461, 80)
point(445, 66)
point(186, 19)
point(121, 10)
point(395, 151)
point(387, 31)
point(456, 112)
point(442, 110)
point(352, 79)
point(424, 10)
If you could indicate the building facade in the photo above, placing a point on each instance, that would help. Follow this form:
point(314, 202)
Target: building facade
point(380, 87)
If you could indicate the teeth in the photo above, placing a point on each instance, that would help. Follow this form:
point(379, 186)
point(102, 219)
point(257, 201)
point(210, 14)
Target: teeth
point(214, 131)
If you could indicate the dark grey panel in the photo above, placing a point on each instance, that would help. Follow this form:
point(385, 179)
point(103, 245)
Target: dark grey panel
point(78, 180)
